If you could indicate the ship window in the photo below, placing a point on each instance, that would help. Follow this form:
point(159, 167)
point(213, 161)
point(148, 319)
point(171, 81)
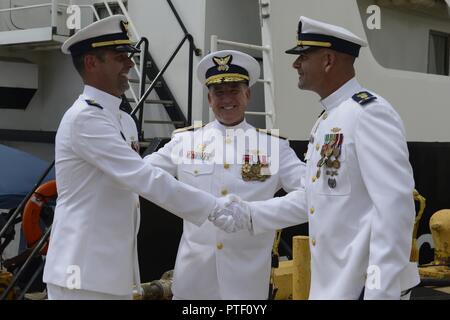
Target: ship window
point(438, 53)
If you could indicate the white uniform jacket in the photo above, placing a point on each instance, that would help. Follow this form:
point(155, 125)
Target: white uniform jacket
point(98, 177)
point(210, 263)
point(360, 223)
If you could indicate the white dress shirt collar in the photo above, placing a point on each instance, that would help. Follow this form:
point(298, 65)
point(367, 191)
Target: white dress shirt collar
point(242, 125)
point(103, 98)
point(345, 92)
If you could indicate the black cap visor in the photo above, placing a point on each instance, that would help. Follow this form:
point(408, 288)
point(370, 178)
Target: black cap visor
point(298, 49)
point(127, 48)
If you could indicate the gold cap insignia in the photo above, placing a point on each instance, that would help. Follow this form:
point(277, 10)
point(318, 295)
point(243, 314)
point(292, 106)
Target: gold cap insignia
point(124, 27)
point(223, 63)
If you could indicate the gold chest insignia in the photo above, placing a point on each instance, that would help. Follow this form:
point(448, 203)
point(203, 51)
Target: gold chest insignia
point(255, 168)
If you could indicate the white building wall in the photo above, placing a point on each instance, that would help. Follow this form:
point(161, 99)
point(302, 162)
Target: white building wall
point(402, 41)
point(421, 99)
point(58, 86)
point(35, 17)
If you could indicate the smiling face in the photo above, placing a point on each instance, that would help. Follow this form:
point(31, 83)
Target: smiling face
point(109, 71)
point(310, 69)
point(228, 101)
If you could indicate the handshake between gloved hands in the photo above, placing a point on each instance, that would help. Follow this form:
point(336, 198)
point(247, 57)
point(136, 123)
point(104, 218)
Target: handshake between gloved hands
point(231, 214)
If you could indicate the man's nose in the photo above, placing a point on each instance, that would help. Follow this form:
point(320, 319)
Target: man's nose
point(130, 62)
point(296, 63)
point(227, 96)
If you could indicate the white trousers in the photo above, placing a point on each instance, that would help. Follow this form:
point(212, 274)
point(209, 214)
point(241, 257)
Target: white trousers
point(60, 293)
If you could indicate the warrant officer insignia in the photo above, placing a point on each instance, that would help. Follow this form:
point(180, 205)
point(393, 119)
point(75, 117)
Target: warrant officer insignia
point(93, 103)
point(336, 130)
point(363, 97)
point(223, 63)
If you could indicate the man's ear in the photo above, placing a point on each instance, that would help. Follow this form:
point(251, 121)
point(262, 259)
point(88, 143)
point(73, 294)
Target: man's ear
point(248, 93)
point(209, 97)
point(90, 62)
point(329, 60)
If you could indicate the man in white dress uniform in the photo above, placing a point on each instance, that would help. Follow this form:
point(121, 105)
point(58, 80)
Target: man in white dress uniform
point(92, 252)
point(358, 196)
point(212, 264)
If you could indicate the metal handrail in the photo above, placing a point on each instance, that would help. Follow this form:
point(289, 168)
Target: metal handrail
point(198, 52)
point(141, 102)
point(215, 40)
point(143, 61)
point(53, 5)
point(24, 201)
point(33, 253)
point(142, 74)
point(26, 7)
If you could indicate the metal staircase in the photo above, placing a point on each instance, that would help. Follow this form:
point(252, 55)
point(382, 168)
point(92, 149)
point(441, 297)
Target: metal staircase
point(149, 77)
point(146, 78)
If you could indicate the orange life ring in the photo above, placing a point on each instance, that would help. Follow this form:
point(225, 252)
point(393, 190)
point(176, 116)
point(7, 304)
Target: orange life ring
point(32, 213)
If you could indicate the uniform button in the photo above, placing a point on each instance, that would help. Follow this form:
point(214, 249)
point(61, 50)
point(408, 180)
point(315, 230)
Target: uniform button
point(195, 171)
point(224, 192)
point(228, 141)
point(226, 166)
point(314, 179)
point(220, 246)
point(138, 205)
point(317, 147)
point(313, 242)
point(312, 210)
point(325, 116)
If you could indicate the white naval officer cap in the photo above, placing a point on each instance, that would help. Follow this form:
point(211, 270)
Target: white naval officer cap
point(228, 66)
point(111, 32)
point(314, 33)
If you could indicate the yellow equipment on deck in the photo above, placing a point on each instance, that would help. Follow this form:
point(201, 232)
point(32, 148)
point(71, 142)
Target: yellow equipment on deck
point(440, 231)
point(292, 278)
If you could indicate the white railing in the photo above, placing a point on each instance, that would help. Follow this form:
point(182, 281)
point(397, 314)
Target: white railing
point(53, 9)
point(269, 112)
point(54, 5)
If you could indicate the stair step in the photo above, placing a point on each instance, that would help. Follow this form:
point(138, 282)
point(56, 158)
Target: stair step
point(136, 81)
point(164, 122)
point(144, 144)
point(167, 103)
point(139, 81)
point(138, 62)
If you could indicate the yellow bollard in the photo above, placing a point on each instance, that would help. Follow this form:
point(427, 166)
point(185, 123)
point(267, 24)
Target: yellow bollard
point(301, 278)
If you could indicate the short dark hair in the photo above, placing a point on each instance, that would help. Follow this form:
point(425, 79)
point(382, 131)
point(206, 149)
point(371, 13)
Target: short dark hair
point(78, 60)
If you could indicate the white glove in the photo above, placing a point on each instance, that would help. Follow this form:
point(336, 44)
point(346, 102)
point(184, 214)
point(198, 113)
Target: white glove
point(241, 214)
point(232, 214)
point(222, 215)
